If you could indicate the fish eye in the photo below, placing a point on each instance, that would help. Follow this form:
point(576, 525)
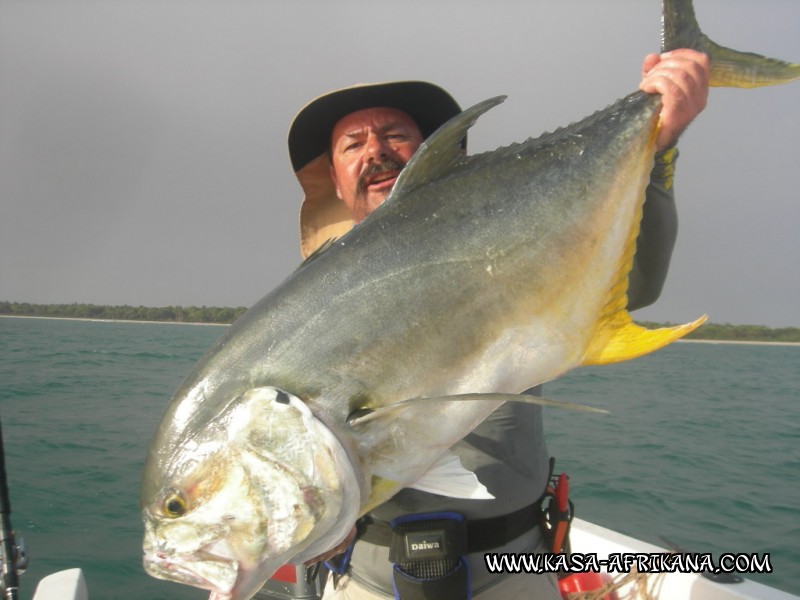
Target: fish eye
point(175, 505)
point(282, 397)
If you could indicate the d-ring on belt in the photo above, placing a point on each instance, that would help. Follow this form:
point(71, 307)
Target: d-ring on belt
point(482, 534)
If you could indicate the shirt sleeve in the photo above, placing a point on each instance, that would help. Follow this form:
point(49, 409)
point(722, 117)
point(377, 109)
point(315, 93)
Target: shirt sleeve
point(657, 236)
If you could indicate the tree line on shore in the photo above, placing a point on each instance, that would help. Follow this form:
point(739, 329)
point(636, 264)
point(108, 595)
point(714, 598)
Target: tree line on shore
point(737, 333)
point(174, 314)
point(223, 315)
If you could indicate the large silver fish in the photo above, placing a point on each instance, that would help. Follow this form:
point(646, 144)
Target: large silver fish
point(479, 277)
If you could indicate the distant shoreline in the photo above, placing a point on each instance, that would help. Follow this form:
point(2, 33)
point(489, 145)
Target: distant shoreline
point(113, 320)
point(745, 342)
point(686, 341)
point(105, 312)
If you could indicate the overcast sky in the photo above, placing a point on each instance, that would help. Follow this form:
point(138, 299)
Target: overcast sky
point(143, 143)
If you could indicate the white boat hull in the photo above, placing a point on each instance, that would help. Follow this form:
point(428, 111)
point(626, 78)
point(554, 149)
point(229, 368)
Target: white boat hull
point(587, 538)
point(63, 585)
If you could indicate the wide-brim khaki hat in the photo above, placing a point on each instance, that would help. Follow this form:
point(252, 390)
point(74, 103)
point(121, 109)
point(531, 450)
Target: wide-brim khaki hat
point(323, 215)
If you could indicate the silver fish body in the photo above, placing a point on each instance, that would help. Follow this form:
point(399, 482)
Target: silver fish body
point(479, 277)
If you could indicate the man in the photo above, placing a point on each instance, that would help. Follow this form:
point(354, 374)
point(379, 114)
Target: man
point(347, 149)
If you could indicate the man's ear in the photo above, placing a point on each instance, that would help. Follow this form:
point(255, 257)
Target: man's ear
point(335, 180)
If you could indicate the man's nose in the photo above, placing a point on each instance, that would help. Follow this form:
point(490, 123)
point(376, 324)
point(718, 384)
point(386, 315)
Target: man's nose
point(376, 148)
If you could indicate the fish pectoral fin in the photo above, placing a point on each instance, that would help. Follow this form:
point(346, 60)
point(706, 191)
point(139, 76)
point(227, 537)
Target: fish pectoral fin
point(361, 417)
point(619, 338)
point(524, 398)
point(448, 477)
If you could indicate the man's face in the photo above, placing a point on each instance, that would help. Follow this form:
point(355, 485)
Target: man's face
point(369, 148)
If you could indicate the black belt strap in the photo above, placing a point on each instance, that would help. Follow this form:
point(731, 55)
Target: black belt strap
point(482, 534)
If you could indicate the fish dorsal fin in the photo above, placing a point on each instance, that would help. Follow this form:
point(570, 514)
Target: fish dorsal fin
point(441, 150)
point(448, 477)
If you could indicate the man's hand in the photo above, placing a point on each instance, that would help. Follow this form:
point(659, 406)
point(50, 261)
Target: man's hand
point(334, 551)
point(681, 77)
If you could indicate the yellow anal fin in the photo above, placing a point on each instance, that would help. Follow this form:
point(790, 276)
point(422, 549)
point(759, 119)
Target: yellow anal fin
point(621, 339)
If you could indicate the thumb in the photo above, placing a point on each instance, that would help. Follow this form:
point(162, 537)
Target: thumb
point(650, 61)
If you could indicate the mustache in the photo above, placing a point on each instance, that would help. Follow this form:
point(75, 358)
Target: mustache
point(390, 164)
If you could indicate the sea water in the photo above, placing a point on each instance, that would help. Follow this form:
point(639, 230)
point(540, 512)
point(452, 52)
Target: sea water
point(701, 446)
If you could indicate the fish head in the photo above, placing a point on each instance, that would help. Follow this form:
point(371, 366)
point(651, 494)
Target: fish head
point(263, 483)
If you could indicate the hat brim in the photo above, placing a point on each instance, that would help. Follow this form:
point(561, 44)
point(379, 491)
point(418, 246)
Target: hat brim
point(323, 216)
point(310, 133)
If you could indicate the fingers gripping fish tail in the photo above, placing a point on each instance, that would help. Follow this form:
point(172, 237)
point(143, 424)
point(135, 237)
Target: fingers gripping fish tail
point(729, 68)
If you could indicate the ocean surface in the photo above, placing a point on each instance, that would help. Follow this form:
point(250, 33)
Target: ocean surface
point(702, 446)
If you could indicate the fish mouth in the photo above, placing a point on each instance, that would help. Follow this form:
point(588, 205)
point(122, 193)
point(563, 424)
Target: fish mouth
point(206, 571)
